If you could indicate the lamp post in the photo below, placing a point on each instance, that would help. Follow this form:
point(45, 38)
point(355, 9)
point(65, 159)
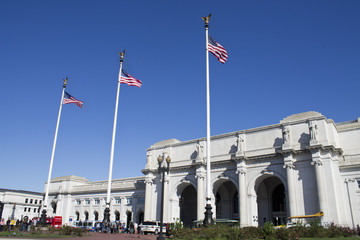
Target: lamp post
point(162, 170)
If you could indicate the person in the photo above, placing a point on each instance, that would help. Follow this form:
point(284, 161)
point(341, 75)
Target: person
point(139, 229)
point(97, 227)
point(12, 223)
point(29, 225)
point(135, 227)
point(2, 223)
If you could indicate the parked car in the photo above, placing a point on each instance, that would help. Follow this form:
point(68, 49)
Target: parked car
point(151, 227)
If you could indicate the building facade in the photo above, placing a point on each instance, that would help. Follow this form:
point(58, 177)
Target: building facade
point(18, 204)
point(301, 166)
point(77, 199)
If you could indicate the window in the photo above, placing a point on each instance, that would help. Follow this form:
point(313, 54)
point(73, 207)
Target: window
point(141, 200)
point(78, 202)
point(87, 202)
point(25, 209)
point(38, 210)
point(129, 201)
point(29, 209)
point(26, 200)
point(117, 200)
point(31, 201)
point(97, 201)
point(34, 210)
point(40, 201)
point(358, 182)
point(35, 201)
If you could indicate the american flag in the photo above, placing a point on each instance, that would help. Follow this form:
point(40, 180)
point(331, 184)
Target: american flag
point(129, 80)
point(218, 50)
point(70, 99)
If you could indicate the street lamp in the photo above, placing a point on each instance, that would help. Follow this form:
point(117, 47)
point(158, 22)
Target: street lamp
point(162, 170)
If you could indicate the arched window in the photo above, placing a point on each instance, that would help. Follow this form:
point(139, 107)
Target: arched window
point(117, 216)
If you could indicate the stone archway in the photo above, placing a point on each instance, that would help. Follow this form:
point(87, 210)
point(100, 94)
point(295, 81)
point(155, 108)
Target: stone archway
point(271, 200)
point(96, 216)
point(86, 214)
point(128, 218)
point(226, 200)
point(188, 205)
point(140, 218)
point(117, 215)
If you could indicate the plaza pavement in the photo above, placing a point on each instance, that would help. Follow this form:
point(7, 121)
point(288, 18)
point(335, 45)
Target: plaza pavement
point(98, 236)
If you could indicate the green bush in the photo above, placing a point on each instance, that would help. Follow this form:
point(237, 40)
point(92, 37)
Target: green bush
point(268, 231)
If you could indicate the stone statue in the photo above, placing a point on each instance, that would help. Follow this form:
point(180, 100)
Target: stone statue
point(240, 143)
point(199, 149)
point(313, 131)
point(148, 156)
point(286, 135)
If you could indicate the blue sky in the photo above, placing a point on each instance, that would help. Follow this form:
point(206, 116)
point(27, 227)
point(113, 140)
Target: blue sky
point(285, 57)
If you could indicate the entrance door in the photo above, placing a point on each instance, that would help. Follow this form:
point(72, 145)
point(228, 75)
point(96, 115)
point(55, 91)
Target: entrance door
point(188, 201)
point(271, 201)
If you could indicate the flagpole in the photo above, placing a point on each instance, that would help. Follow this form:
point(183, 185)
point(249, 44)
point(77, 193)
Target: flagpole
point(208, 213)
point(43, 215)
point(107, 209)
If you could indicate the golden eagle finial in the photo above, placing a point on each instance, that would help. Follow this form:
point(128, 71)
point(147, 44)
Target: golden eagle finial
point(65, 82)
point(122, 54)
point(206, 19)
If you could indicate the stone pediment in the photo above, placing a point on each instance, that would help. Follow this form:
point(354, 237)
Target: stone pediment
point(301, 116)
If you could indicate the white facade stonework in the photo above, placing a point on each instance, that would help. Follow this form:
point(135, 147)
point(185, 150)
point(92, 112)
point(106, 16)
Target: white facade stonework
point(303, 165)
point(76, 198)
point(17, 204)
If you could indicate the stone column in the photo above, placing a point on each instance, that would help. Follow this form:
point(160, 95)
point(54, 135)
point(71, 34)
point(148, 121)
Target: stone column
point(123, 216)
point(241, 171)
point(148, 199)
point(166, 200)
point(320, 184)
point(291, 192)
point(200, 175)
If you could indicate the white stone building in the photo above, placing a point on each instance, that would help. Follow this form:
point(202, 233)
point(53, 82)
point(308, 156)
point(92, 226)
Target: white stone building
point(17, 204)
point(303, 165)
point(76, 198)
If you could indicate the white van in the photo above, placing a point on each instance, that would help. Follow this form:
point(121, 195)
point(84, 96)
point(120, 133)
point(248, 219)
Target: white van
point(151, 227)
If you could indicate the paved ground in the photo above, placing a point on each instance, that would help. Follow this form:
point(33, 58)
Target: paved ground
point(100, 236)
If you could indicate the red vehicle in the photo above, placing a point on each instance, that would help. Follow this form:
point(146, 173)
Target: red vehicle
point(55, 222)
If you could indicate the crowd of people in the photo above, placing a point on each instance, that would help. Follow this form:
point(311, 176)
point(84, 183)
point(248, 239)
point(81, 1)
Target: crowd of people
point(117, 227)
point(21, 224)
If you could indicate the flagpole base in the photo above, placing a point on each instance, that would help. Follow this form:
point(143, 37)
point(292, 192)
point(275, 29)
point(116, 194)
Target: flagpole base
point(107, 215)
point(43, 218)
point(208, 220)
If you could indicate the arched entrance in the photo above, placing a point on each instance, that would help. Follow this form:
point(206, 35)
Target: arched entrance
point(271, 201)
point(140, 217)
point(188, 201)
point(117, 216)
point(128, 218)
point(86, 213)
point(96, 215)
point(227, 200)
